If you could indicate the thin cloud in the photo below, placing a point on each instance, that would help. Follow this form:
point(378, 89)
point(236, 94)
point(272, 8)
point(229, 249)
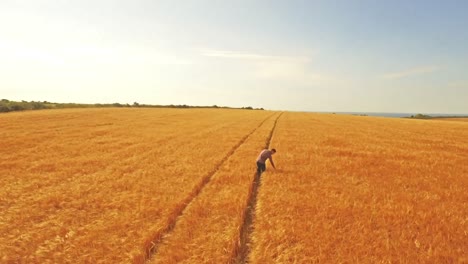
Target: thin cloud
point(293, 69)
point(234, 55)
point(228, 54)
point(411, 72)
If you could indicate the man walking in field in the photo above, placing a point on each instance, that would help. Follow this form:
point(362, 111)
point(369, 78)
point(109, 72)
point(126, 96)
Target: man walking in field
point(262, 158)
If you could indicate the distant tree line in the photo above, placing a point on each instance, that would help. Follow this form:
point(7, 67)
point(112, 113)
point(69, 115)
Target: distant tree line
point(10, 106)
point(421, 116)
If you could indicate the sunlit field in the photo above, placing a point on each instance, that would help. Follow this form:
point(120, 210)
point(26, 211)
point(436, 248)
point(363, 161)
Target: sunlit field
point(101, 185)
point(452, 119)
point(135, 185)
point(364, 189)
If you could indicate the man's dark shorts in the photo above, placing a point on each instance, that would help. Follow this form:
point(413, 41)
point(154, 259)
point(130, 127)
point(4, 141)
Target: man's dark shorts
point(261, 167)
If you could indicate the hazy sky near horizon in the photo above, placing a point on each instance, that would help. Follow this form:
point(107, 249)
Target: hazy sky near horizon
point(367, 56)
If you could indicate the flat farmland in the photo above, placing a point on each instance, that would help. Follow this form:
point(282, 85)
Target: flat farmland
point(144, 185)
point(364, 189)
point(452, 119)
point(101, 185)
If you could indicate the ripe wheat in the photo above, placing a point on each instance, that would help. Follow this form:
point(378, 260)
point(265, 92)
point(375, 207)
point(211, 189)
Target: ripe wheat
point(99, 185)
point(364, 189)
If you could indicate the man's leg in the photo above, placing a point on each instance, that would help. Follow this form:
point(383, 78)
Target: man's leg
point(260, 168)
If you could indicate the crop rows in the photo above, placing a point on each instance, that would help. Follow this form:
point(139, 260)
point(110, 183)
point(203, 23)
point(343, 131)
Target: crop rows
point(98, 185)
point(209, 229)
point(363, 189)
point(179, 186)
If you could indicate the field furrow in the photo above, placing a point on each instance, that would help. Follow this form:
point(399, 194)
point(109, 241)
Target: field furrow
point(152, 248)
point(209, 229)
point(247, 225)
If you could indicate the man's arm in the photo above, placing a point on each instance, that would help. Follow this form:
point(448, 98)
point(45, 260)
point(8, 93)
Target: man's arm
point(272, 163)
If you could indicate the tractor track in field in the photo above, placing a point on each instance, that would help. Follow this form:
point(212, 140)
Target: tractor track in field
point(152, 248)
point(247, 226)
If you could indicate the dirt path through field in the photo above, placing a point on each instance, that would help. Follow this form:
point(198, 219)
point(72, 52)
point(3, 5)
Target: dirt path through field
point(247, 227)
point(153, 246)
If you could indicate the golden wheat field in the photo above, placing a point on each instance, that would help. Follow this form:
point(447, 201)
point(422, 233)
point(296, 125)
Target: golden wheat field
point(453, 119)
point(136, 185)
point(364, 189)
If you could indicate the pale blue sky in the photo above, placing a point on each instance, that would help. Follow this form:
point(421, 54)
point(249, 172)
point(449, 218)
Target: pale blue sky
point(369, 55)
